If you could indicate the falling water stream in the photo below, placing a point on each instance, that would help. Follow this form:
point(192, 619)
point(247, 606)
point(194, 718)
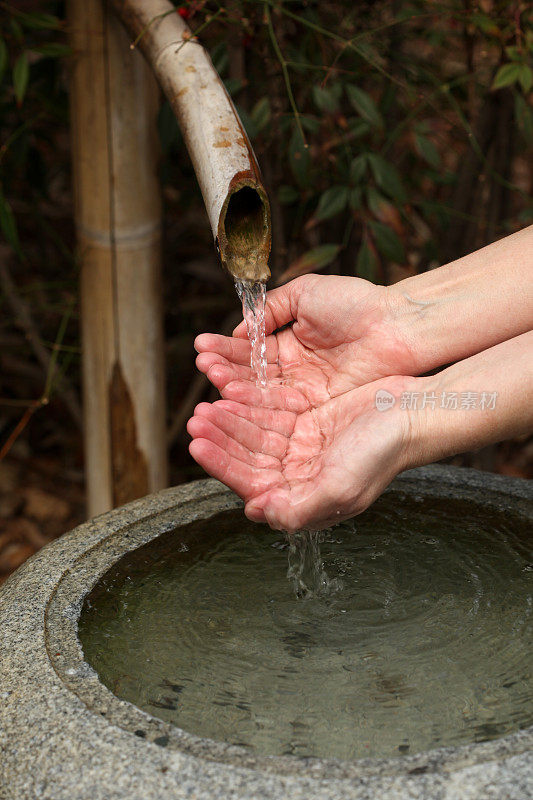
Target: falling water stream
point(253, 298)
point(306, 569)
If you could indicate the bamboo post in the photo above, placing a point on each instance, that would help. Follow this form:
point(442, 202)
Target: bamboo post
point(225, 165)
point(118, 215)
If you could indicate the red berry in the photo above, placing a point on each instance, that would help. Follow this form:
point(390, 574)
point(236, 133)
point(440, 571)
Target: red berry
point(184, 12)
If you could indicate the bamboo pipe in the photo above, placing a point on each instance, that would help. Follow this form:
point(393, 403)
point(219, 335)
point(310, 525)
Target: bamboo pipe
point(225, 165)
point(114, 102)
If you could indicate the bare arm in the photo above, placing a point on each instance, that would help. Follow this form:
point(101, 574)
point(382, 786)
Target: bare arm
point(487, 398)
point(467, 306)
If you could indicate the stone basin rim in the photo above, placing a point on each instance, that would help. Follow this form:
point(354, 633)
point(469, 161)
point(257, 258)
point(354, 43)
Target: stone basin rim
point(65, 736)
point(64, 606)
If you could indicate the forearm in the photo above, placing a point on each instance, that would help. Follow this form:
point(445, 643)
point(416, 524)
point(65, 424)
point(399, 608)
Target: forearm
point(474, 403)
point(467, 306)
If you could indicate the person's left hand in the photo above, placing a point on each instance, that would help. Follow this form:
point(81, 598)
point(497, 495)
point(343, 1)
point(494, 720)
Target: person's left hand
point(325, 335)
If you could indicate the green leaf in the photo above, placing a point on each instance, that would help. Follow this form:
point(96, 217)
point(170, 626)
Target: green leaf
point(318, 257)
point(325, 100)
point(53, 50)
point(247, 121)
point(299, 158)
point(524, 117)
point(375, 200)
point(525, 78)
point(364, 105)
point(311, 261)
point(261, 114)
point(387, 242)
point(16, 29)
point(38, 21)
point(356, 198)
point(233, 85)
point(287, 195)
point(358, 168)
point(387, 177)
point(427, 150)
point(359, 128)
point(484, 23)
point(21, 74)
point(366, 266)
point(506, 75)
point(4, 58)
point(513, 53)
point(220, 58)
point(169, 132)
point(310, 124)
point(331, 203)
point(8, 226)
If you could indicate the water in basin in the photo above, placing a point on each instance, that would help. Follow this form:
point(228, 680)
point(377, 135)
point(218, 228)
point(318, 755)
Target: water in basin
point(427, 640)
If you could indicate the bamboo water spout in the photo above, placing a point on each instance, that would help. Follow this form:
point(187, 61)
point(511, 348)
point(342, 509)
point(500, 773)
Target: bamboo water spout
point(223, 159)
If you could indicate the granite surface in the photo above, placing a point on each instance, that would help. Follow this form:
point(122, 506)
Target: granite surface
point(64, 736)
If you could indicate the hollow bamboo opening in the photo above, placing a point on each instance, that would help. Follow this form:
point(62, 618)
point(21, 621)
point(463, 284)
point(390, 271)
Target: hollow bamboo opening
point(244, 234)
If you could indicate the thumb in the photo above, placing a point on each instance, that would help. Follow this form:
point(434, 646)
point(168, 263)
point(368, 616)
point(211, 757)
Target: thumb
point(281, 307)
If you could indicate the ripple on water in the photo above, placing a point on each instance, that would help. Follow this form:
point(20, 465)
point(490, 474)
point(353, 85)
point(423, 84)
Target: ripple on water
point(427, 641)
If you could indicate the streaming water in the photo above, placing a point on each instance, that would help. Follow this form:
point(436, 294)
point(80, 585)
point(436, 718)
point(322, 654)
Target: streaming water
point(253, 298)
point(428, 643)
point(306, 567)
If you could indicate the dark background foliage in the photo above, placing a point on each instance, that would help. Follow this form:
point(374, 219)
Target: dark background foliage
point(393, 137)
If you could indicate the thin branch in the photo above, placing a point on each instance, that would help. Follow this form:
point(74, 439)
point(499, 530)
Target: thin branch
point(196, 390)
point(203, 26)
point(25, 321)
point(17, 430)
point(194, 394)
point(138, 38)
point(285, 71)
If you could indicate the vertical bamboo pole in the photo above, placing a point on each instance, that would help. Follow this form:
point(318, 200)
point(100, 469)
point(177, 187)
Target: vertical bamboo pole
point(118, 214)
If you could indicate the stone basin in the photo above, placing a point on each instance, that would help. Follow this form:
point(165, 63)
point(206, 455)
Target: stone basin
point(63, 734)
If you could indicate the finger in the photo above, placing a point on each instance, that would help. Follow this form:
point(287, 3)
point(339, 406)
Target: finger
point(281, 308)
point(242, 478)
point(254, 513)
point(203, 428)
point(243, 431)
point(272, 507)
point(279, 397)
point(271, 419)
point(309, 505)
point(237, 351)
point(204, 362)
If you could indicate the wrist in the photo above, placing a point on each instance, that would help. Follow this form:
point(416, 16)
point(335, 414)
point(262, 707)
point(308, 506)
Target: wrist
point(405, 427)
point(422, 312)
point(422, 430)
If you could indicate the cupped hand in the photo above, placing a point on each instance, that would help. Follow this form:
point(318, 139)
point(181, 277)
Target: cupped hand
point(337, 333)
point(299, 465)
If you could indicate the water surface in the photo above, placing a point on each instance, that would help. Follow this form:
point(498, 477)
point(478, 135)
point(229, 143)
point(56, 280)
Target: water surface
point(427, 641)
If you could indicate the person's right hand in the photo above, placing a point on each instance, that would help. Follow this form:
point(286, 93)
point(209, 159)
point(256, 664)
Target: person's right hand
point(339, 335)
point(297, 466)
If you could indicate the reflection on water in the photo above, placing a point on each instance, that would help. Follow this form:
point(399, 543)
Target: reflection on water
point(426, 641)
